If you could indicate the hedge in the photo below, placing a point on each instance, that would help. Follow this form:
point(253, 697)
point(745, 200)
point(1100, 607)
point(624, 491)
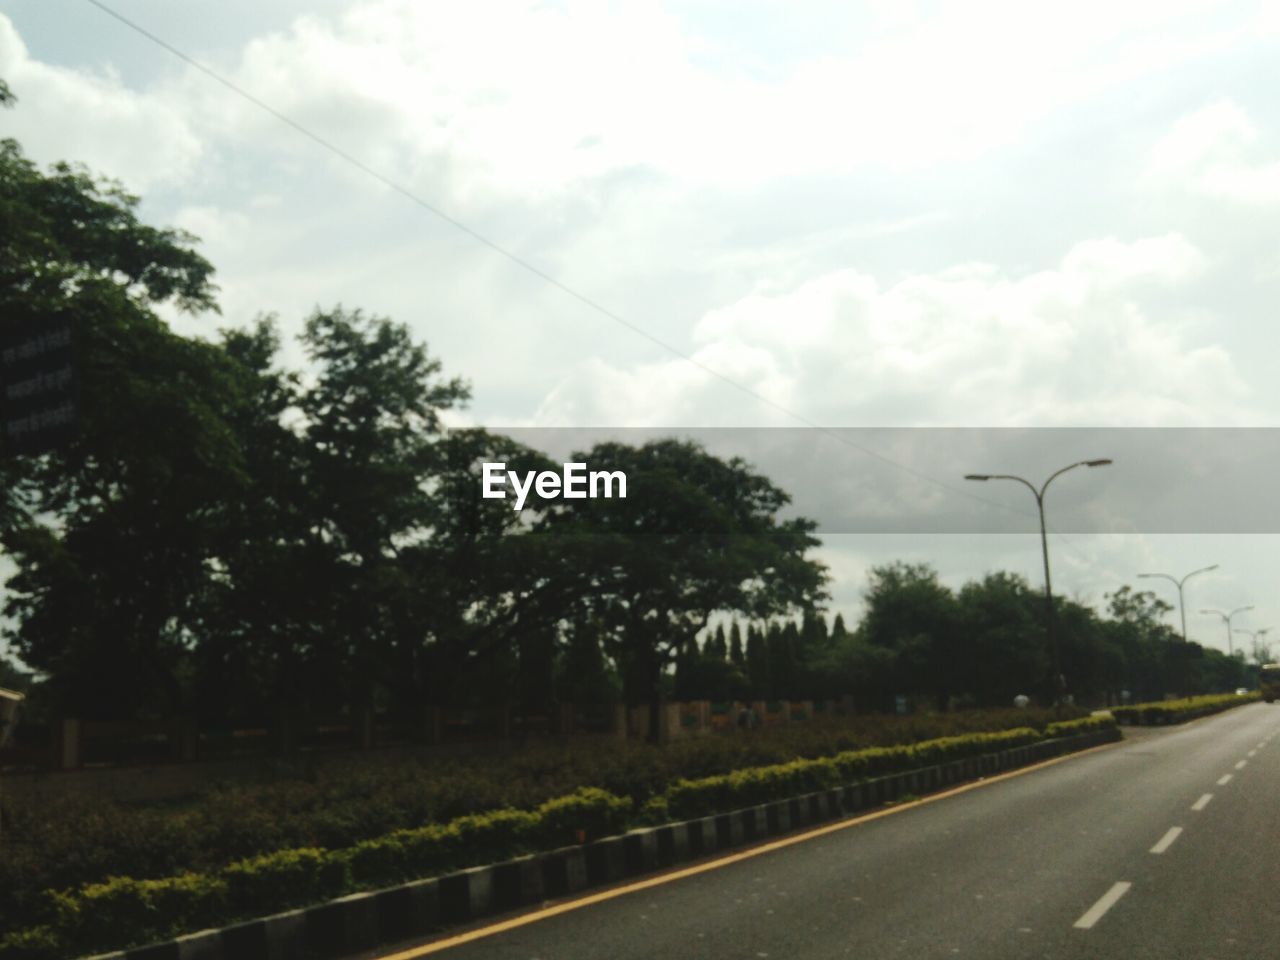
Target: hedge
point(1180, 711)
point(124, 911)
point(744, 788)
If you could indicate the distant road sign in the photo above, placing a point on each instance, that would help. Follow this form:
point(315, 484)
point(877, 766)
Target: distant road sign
point(37, 371)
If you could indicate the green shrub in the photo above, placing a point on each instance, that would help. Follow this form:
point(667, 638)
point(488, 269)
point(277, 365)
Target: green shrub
point(124, 911)
point(743, 788)
point(597, 812)
point(402, 855)
point(655, 811)
point(286, 878)
point(36, 943)
point(496, 835)
point(1180, 711)
point(1070, 728)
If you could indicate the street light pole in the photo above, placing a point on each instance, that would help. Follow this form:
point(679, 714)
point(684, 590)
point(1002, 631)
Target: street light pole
point(1226, 618)
point(1059, 681)
point(1254, 635)
point(1182, 609)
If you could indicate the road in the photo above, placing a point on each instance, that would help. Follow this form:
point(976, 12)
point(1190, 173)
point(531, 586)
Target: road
point(1164, 847)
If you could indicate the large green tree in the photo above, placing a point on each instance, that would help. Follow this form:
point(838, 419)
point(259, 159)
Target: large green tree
point(1001, 620)
point(112, 534)
point(696, 535)
point(913, 615)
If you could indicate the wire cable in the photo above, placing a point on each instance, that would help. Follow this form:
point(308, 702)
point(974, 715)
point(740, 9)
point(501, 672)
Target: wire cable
point(521, 262)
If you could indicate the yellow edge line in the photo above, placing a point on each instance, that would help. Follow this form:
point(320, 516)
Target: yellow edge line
point(553, 911)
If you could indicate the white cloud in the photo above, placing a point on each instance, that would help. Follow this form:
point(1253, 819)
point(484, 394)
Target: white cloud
point(1210, 152)
point(139, 139)
point(524, 98)
point(1072, 345)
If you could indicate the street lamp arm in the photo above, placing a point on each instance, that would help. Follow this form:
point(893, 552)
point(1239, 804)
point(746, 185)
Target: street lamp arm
point(1194, 572)
point(1026, 483)
point(1102, 462)
point(1053, 476)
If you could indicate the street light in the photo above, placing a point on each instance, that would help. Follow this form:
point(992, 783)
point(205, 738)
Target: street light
point(1181, 607)
point(1254, 635)
point(1058, 679)
point(1226, 618)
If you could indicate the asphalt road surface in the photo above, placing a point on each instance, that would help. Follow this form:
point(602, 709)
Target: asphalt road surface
point(1165, 847)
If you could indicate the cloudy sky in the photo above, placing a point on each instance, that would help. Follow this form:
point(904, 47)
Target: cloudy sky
point(886, 214)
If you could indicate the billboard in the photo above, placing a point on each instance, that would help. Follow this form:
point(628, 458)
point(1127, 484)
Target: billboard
point(39, 400)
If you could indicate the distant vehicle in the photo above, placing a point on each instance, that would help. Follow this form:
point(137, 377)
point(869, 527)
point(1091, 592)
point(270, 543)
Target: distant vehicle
point(1269, 677)
point(1241, 691)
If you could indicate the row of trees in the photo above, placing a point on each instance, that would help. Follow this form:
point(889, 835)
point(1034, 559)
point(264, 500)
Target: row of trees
point(230, 539)
point(981, 645)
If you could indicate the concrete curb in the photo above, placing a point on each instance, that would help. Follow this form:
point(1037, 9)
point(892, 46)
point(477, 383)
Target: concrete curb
point(364, 920)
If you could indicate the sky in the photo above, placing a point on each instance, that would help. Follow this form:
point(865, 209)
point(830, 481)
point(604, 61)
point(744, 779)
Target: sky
point(766, 215)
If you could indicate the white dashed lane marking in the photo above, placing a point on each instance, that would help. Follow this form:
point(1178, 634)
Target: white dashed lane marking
point(1202, 802)
point(1105, 903)
point(1166, 841)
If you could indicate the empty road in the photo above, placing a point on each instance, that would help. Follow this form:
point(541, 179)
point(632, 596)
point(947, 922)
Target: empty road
point(1165, 846)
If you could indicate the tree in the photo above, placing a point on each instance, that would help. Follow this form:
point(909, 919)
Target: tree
point(585, 676)
point(479, 579)
point(913, 615)
point(369, 430)
point(736, 654)
point(719, 646)
point(1142, 642)
point(696, 535)
point(1002, 628)
point(113, 534)
point(12, 678)
point(262, 618)
point(757, 663)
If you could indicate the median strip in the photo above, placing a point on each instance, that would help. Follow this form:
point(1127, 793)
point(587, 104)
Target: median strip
point(364, 919)
point(1105, 903)
point(1166, 841)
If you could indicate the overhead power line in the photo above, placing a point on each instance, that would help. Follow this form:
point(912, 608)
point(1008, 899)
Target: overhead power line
point(521, 262)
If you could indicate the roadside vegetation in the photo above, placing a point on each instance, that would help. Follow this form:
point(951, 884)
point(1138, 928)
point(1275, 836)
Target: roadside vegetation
point(1180, 711)
point(74, 840)
point(331, 850)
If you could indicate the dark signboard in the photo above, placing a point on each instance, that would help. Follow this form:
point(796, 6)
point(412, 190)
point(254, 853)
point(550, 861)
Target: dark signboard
point(37, 373)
